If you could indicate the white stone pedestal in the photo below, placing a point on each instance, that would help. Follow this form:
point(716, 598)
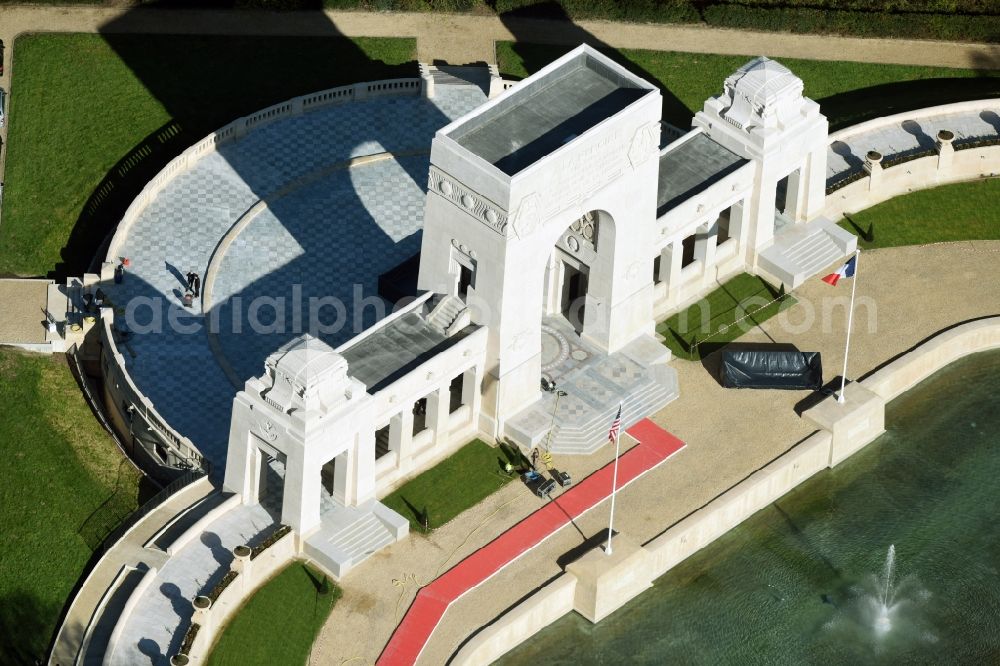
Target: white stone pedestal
point(605, 582)
point(856, 422)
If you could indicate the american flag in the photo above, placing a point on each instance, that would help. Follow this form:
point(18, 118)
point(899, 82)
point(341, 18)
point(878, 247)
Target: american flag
point(616, 425)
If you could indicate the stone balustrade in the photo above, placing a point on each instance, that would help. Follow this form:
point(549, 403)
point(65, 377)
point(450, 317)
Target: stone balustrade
point(246, 574)
point(951, 159)
point(239, 127)
point(181, 451)
point(879, 183)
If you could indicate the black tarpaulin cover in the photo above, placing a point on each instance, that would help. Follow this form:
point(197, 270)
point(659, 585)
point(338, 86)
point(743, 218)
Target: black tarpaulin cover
point(757, 368)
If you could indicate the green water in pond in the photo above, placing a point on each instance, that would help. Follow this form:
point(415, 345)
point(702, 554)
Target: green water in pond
point(799, 582)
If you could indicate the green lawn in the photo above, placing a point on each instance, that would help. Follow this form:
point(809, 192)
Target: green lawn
point(848, 92)
point(705, 326)
point(93, 117)
point(60, 469)
point(279, 622)
point(470, 475)
point(963, 211)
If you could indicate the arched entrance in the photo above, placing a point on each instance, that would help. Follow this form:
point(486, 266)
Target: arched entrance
point(573, 267)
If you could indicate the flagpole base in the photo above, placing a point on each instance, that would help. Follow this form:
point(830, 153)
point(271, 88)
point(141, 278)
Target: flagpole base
point(606, 582)
point(852, 423)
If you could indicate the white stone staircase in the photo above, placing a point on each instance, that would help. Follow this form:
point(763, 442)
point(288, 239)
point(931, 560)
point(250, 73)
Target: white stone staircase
point(637, 378)
point(586, 437)
point(347, 536)
point(803, 250)
point(446, 314)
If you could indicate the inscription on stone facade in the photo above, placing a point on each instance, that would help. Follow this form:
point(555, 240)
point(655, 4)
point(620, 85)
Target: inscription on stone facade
point(585, 171)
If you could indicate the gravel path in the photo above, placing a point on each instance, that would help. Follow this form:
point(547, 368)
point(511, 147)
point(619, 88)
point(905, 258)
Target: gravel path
point(904, 295)
point(466, 38)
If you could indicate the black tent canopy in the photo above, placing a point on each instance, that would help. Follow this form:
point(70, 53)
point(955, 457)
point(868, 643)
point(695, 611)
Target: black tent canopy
point(771, 369)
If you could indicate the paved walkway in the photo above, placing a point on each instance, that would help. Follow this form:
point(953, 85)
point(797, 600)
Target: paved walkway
point(729, 434)
point(159, 620)
point(23, 306)
point(655, 446)
point(330, 238)
point(95, 601)
point(465, 38)
point(914, 133)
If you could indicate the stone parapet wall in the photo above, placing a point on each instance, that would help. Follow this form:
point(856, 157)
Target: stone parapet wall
point(883, 184)
point(143, 425)
point(520, 623)
point(251, 575)
point(891, 175)
point(121, 560)
point(239, 127)
point(977, 105)
point(913, 367)
point(844, 430)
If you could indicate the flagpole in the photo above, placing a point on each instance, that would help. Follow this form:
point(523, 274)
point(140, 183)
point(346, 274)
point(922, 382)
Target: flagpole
point(614, 488)
point(850, 320)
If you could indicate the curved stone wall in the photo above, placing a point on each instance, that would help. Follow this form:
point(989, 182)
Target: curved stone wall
point(893, 173)
point(155, 444)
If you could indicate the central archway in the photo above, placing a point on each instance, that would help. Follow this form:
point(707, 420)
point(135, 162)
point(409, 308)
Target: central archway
point(574, 266)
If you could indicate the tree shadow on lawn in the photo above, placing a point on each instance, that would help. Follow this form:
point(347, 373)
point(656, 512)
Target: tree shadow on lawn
point(24, 627)
point(421, 517)
point(204, 82)
point(532, 25)
point(857, 106)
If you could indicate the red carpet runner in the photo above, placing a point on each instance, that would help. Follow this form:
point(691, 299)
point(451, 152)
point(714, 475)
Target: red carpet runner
point(655, 445)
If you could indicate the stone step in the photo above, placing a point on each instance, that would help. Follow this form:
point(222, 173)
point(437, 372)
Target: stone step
point(814, 252)
point(591, 442)
point(362, 538)
point(589, 437)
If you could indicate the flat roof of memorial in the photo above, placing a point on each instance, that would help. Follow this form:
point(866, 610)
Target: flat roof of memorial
point(542, 114)
point(395, 349)
point(691, 168)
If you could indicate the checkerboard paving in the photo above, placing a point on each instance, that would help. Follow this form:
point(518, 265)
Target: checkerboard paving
point(345, 228)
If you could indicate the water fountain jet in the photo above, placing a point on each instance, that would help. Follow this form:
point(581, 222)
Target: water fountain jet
point(882, 622)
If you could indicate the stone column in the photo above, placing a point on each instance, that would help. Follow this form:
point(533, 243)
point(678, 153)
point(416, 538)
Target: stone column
point(814, 185)
point(553, 284)
point(401, 438)
point(470, 391)
point(242, 565)
point(675, 255)
point(300, 501)
point(704, 250)
point(663, 275)
point(873, 165)
point(202, 614)
point(437, 415)
point(946, 152)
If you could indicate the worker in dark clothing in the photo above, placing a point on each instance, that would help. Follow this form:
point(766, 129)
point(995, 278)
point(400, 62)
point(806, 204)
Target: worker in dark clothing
point(193, 283)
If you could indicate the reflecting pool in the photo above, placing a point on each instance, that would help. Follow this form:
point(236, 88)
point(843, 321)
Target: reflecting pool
point(892, 557)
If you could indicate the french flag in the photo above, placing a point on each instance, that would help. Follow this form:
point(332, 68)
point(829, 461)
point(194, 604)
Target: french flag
point(845, 271)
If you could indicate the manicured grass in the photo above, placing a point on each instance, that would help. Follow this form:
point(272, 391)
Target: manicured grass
point(93, 117)
point(848, 92)
point(709, 323)
point(280, 621)
point(471, 474)
point(963, 211)
point(60, 471)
